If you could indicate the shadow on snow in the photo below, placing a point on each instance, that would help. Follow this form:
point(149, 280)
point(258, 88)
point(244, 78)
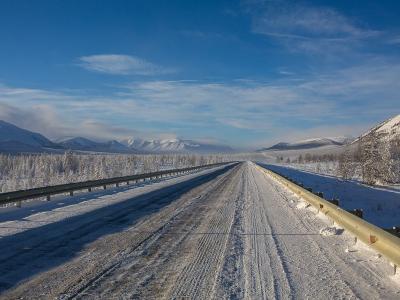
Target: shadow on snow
point(381, 206)
point(39, 249)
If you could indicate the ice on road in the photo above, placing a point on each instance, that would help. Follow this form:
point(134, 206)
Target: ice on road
point(229, 233)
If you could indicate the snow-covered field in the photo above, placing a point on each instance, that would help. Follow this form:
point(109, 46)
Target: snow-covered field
point(226, 233)
point(323, 168)
point(381, 205)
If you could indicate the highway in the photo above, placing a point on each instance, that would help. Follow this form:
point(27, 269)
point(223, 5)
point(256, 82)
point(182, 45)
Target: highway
point(231, 232)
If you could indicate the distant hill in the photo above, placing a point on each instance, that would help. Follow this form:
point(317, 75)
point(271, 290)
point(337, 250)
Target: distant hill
point(174, 146)
point(84, 144)
point(308, 144)
point(16, 140)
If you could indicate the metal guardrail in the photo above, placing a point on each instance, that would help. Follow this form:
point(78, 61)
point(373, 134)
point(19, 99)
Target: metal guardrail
point(18, 196)
point(380, 240)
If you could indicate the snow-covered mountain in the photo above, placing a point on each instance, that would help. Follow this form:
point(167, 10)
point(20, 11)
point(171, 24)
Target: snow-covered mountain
point(14, 139)
point(174, 146)
point(84, 144)
point(387, 129)
point(17, 140)
point(309, 144)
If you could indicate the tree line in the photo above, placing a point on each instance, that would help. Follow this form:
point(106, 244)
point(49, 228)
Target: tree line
point(375, 159)
point(35, 170)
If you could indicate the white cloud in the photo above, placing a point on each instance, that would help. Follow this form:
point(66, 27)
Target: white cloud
point(341, 99)
point(294, 20)
point(121, 65)
point(308, 29)
point(52, 123)
point(394, 40)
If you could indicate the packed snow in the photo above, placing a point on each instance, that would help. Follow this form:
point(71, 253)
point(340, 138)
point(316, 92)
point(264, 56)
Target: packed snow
point(227, 233)
point(302, 205)
point(328, 231)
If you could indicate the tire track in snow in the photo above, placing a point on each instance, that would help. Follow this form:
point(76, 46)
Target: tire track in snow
point(199, 277)
point(231, 280)
point(143, 268)
point(235, 237)
point(103, 255)
point(282, 284)
point(297, 265)
point(351, 273)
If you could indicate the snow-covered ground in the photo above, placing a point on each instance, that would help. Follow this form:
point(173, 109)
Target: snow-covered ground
point(381, 205)
point(323, 168)
point(38, 212)
point(231, 233)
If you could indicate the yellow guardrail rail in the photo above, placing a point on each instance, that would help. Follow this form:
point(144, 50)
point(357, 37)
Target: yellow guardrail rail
point(383, 242)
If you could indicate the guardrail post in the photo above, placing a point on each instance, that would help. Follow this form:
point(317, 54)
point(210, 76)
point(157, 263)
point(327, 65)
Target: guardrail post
point(372, 239)
point(19, 204)
point(357, 212)
point(127, 183)
point(377, 238)
point(48, 198)
point(334, 201)
point(395, 230)
point(117, 184)
point(71, 193)
point(89, 189)
point(104, 187)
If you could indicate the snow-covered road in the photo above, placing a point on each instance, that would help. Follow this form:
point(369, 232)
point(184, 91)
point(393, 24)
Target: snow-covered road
point(232, 233)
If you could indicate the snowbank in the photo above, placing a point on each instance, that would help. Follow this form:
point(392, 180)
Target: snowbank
point(328, 231)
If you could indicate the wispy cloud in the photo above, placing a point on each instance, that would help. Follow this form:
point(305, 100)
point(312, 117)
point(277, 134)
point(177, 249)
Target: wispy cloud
point(311, 29)
point(329, 102)
point(118, 64)
point(50, 121)
point(304, 22)
point(394, 40)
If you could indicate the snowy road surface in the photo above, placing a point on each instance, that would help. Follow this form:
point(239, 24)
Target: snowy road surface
point(229, 233)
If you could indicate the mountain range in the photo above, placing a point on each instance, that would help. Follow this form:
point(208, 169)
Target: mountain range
point(175, 145)
point(386, 129)
point(84, 144)
point(17, 140)
point(309, 144)
point(14, 139)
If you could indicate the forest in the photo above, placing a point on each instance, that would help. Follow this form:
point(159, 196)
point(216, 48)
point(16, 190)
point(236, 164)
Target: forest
point(374, 159)
point(26, 171)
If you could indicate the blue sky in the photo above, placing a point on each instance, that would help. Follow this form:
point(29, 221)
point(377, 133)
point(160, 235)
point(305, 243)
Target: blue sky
point(248, 73)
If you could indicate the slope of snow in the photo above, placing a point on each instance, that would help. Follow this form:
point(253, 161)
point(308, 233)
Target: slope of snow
point(15, 139)
point(381, 206)
point(392, 126)
point(388, 128)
